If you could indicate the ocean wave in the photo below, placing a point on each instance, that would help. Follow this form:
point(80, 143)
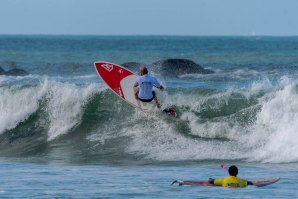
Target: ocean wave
point(88, 122)
point(61, 102)
point(275, 130)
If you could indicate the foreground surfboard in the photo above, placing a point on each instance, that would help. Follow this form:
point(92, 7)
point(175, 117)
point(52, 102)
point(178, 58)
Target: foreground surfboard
point(121, 81)
point(258, 183)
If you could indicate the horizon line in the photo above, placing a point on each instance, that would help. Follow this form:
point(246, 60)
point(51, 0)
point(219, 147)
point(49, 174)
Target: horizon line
point(145, 35)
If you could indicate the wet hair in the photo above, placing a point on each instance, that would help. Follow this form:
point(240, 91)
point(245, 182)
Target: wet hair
point(233, 170)
point(143, 70)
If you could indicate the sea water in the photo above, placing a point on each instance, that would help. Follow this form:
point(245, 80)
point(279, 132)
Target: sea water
point(63, 134)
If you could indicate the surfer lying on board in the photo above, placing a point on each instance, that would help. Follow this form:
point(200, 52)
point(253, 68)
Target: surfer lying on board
point(232, 181)
point(143, 87)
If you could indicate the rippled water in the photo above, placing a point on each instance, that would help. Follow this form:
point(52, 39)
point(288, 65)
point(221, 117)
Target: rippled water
point(63, 134)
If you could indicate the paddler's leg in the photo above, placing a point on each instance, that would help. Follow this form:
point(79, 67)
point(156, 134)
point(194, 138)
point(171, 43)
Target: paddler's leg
point(136, 92)
point(156, 100)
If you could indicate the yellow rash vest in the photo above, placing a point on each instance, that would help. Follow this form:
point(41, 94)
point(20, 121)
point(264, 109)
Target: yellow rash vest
point(231, 181)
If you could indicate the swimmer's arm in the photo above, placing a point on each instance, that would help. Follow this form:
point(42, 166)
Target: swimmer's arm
point(249, 183)
point(217, 182)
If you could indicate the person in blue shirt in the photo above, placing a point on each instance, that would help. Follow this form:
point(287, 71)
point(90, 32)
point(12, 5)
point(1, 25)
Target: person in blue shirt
point(143, 87)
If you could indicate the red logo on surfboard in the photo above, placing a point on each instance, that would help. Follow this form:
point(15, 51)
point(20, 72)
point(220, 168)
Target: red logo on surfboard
point(108, 67)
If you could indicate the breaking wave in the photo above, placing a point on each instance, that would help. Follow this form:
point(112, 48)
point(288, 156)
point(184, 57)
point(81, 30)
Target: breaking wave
point(87, 122)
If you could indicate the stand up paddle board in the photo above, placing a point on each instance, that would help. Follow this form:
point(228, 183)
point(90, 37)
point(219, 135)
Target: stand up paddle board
point(121, 81)
point(258, 183)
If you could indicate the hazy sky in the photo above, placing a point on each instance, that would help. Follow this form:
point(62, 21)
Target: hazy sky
point(149, 17)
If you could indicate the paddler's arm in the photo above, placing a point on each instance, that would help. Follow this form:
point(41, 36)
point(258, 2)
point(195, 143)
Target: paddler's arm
point(157, 84)
point(215, 182)
point(160, 87)
point(211, 180)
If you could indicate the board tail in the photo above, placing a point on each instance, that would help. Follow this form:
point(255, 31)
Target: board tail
point(175, 181)
point(180, 183)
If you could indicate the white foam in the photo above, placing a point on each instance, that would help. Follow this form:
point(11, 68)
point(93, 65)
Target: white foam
point(264, 84)
point(192, 75)
point(272, 137)
point(239, 74)
point(63, 104)
point(156, 139)
point(212, 129)
point(64, 107)
point(196, 101)
point(2, 79)
point(17, 104)
point(275, 133)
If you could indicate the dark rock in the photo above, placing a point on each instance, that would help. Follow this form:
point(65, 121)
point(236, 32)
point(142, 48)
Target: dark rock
point(176, 67)
point(2, 72)
point(17, 72)
point(14, 71)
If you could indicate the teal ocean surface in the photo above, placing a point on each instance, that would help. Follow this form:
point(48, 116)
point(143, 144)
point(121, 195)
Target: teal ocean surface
point(64, 134)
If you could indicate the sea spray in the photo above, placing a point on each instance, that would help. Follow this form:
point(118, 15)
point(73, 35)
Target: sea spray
point(61, 102)
point(277, 126)
point(235, 113)
point(64, 106)
point(266, 133)
point(17, 103)
point(257, 123)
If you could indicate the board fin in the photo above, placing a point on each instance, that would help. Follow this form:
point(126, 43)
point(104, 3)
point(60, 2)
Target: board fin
point(171, 112)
